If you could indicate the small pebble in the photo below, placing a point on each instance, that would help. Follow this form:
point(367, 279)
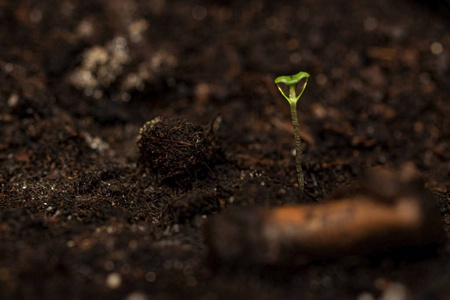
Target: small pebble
point(366, 296)
point(137, 296)
point(113, 281)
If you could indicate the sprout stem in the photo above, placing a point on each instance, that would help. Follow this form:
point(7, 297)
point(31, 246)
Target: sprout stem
point(291, 82)
point(298, 146)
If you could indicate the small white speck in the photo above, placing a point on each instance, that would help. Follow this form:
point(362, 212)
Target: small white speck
point(8, 67)
point(436, 48)
point(366, 296)
point(113, 281)
point(13, 100)
point(137, 296)
point(395, 291)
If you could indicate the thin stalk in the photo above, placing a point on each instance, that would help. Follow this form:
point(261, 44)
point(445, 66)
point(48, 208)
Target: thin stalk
point(298, 140)
point(291, 82)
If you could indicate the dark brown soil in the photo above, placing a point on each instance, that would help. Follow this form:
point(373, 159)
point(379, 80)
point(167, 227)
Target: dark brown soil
point(81, 215)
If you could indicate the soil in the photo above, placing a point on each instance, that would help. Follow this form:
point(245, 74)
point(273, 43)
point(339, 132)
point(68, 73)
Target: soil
point(84, 215)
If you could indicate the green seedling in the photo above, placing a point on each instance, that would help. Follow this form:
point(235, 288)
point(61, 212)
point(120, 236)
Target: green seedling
point(295, 85)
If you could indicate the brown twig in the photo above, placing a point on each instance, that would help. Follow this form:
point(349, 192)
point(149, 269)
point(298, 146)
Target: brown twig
point(386, 211)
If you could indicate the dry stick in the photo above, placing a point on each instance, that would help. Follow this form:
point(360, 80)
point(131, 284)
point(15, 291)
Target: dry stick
point(386, 212)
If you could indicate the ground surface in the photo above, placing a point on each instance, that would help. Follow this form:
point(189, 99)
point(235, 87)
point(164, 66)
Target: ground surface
point(81, 215)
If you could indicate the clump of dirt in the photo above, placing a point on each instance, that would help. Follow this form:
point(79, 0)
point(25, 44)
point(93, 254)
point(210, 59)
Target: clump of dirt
point(177, 150)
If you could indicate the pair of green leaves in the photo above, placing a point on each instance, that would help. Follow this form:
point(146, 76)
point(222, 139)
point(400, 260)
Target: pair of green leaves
point(291, 82)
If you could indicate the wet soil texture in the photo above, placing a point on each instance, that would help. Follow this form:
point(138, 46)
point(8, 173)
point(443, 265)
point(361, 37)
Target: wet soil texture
point(83, 214)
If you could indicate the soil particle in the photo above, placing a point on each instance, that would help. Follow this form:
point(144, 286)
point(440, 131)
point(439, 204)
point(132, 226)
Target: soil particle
point(177, 150)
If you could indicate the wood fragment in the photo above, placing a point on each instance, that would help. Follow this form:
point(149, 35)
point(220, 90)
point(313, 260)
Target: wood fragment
point(384, 212)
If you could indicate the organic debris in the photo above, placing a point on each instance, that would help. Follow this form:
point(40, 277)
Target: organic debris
point(178, 151)
point(384, 212)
